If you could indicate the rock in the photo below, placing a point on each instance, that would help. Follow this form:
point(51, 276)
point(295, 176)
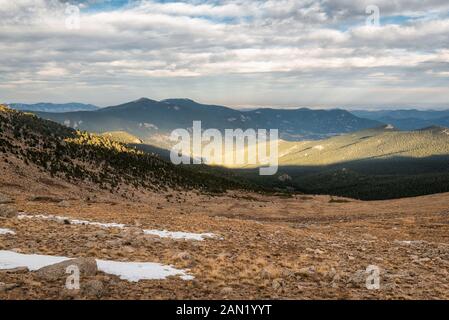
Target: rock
point(93, 288)
point(277, 284)
point(284, 178)
point(306, 272)
point(183, 256)
point(16, 270)
point(38, 198)
point(226, 290)
point(288, 273)
point(64, 204)
point(264, 274)
point(129, 249)
point(5, 199)
point(7, 211)
point(6, 287)
point(87, 267)
point(358, 279)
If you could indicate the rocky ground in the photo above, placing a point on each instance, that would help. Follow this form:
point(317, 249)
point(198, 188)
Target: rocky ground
point(303, 247)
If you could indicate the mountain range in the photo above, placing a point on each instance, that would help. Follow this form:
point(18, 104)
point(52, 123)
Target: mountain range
point(53, 107)
point(151, 121)
point(407, 119)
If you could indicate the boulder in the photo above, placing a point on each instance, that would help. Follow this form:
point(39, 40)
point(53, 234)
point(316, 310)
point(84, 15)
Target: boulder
point(87, 267)
point(5, 199)
point(7, 211)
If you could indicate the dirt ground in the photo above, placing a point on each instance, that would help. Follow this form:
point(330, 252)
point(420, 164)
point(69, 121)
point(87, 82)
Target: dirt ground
point(271, 247)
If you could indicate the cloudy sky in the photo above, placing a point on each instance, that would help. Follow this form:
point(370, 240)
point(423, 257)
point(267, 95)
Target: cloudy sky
point(241, 53)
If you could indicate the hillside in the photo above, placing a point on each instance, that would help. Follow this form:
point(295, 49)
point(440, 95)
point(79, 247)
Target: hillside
point(380, 143)
point(407, 119)
point(87, 158)
point(373, 164)
point(149, 119)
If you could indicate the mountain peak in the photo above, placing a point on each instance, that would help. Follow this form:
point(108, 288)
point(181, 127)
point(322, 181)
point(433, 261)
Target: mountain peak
point(179, 100)
point(143, 99)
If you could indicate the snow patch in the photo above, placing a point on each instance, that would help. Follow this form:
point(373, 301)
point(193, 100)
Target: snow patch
point(180, 235)
point(160, 233)
point(136, 271)
point(130, 271)
point(72, 221)
point(6, 231)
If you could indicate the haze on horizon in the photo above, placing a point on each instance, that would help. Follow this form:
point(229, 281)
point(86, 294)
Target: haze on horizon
point(238, 53)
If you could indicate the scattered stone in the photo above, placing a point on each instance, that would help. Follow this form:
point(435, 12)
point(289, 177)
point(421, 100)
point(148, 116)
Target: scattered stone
point(64, 204)
point(277, 284)
point(7, 211)
point(93, 288)
point(306, 272)
point(129, 249)
point(183, 256)
point(87, 267)
point(45, 199)
point(5, 199)
point(284, 178)
point(358, 279)
point(16, 270)
point(226, 290)
point(7, 287)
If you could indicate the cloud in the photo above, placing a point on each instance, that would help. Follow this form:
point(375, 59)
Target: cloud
point(289, 50)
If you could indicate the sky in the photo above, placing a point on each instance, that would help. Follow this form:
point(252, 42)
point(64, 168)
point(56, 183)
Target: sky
point(239, 53)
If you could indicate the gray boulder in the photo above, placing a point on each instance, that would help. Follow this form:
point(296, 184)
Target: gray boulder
point(87, 267)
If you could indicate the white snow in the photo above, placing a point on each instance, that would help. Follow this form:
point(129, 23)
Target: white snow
point(136, 271)
point(160, 233)
point(130, 271)
point(6, 231)
point(72, 221)
point(180, 235)
point(11, 260)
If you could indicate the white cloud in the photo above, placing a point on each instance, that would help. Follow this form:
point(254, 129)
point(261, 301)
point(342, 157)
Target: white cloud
point(203, 49)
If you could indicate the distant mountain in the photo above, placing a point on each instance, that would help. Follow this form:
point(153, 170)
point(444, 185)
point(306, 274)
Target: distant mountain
point(151, 120)
point(53, 107)
point(407, 119)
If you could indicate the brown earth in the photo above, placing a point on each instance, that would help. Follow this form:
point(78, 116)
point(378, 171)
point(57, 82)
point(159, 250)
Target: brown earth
point(304, 247)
